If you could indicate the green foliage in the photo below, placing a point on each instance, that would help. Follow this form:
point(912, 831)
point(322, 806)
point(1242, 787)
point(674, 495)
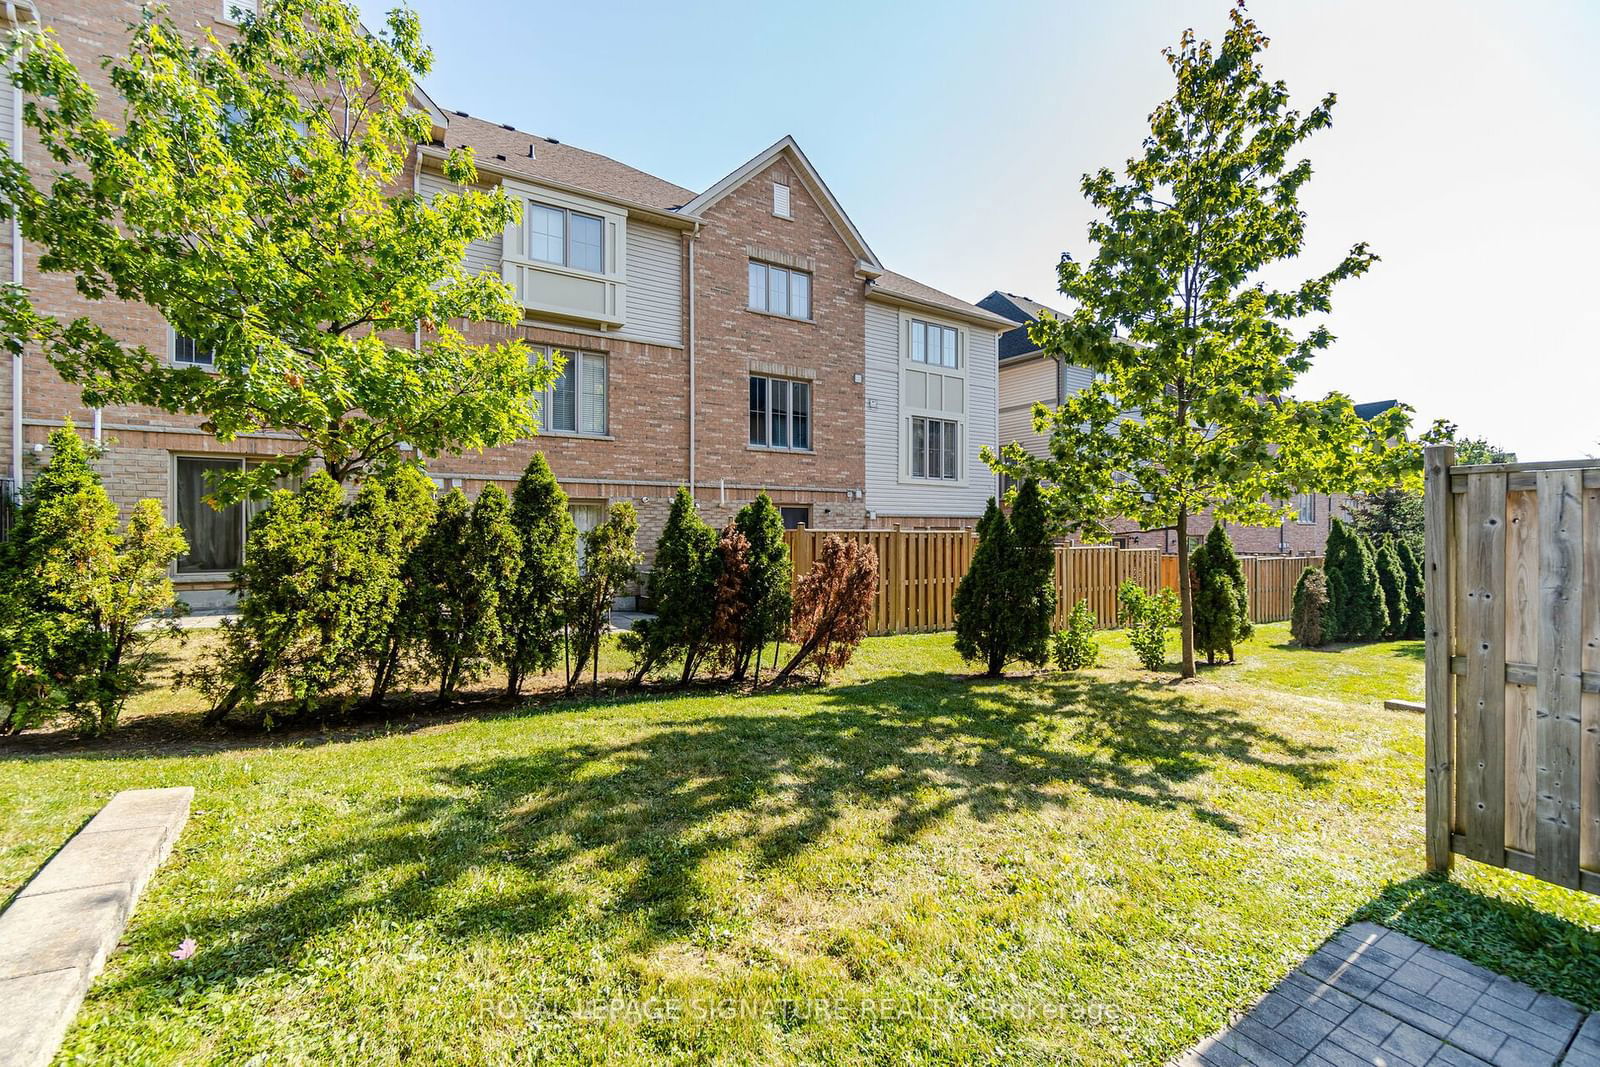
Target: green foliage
point(767, 588)
point(73, 590)
point(1392, 579)
point(464, 569)
point(1006, 601)
point(1309, 623)
point(1175, 320)
point(1469, 450)
point(1075, 646)
point(1221, 599)
point(1392, 512)
point(832, 607)
point(1357, 610)
point(683, 586)
point(319, 584)
point(1147, 619)
point(1416, 589)
point(533, 612)
point(251, 192)
point(985, 621)
point(610, 564)
point(1032, 581)
point(392, 626)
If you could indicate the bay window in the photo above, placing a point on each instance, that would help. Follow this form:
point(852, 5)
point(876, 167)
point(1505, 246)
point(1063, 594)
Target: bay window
point(566, 238)
point(780, 413)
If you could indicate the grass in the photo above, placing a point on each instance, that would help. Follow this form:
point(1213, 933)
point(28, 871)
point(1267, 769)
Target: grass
point(909, 866)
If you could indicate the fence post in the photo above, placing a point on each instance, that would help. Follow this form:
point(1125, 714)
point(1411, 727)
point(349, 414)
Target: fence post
point(1439, 752)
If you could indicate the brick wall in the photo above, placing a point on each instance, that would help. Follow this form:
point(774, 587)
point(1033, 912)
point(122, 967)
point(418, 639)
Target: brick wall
point(828, 351)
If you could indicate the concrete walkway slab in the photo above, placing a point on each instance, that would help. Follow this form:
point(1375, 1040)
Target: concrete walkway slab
point(55, 936)
point(1376, 997)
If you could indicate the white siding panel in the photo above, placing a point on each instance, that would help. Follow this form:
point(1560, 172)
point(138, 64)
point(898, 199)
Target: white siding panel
point(655, 283)
point(886, 493)
point(482, 255)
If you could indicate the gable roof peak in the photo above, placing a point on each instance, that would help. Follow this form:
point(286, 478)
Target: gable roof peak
point(789, 147)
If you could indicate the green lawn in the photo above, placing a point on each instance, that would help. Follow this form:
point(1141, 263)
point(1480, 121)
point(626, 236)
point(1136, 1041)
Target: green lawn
point(908, 866)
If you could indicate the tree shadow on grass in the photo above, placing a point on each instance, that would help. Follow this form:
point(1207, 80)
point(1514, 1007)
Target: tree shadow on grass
point(615, 836)
point(1513, 938)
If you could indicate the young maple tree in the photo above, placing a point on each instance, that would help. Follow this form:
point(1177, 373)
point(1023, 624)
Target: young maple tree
point(252, 192)
point(1194, 353)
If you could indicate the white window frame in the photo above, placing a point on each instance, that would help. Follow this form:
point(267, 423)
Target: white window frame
point(948, 377)
point(248, 509)
point(580, 362)
point(947, 427)
point(769, 415)
point(790, 273)
point(567, 214)
point(545, 289)
point(228, 7)
point(172, 353)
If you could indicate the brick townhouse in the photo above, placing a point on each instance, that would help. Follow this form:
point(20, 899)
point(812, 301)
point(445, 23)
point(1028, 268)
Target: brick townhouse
point(1028, 376)
point(737, 339)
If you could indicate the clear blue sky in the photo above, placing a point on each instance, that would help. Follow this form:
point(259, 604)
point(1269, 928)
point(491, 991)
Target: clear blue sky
point(1465, 149)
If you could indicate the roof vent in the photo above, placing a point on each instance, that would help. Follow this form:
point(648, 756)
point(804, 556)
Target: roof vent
point(552, 140)
point(500, 156)
point(530, 151)
point(463, 114)
point(507, 126)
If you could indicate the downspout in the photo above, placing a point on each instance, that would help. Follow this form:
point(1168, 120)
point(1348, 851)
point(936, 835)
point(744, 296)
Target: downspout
point(688, 346)
point(16, 264)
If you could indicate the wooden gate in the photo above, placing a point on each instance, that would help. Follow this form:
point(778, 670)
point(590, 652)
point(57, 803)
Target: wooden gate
point(1513, 666)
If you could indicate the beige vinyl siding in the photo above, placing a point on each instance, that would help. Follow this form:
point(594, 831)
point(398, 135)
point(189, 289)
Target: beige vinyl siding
point(1026, 382)
point(655, 284)
point(887, 493)
point(481, 255)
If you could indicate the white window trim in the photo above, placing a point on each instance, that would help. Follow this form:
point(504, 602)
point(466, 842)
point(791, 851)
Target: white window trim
point(545, 401)
point(225, 15)
point(811, 415)
point(1300, 511)
point(172, 354)
point(907, 411)
point(517, 264)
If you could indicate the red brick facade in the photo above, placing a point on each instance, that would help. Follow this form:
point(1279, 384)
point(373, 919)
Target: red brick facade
point(646, 452)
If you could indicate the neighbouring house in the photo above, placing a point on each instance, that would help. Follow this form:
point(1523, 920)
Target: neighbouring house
point(1028, 377)
point(736, 339)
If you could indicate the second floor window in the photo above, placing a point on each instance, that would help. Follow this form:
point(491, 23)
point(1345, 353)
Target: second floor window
point(566, 238)
point(576, 403)
point(935, 448)
point(780, 413)
point(1306, 505)
point(187, 352)
point(780, 290)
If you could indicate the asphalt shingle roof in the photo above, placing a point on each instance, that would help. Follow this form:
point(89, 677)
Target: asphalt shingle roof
point(506, 150)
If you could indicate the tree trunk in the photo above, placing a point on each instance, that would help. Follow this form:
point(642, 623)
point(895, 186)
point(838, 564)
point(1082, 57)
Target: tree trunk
point(1185, 593)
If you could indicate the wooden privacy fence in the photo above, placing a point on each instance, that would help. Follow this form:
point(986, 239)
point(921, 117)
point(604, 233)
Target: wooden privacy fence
point(918, 571)
point(1269, 579)
point(1513, 666)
